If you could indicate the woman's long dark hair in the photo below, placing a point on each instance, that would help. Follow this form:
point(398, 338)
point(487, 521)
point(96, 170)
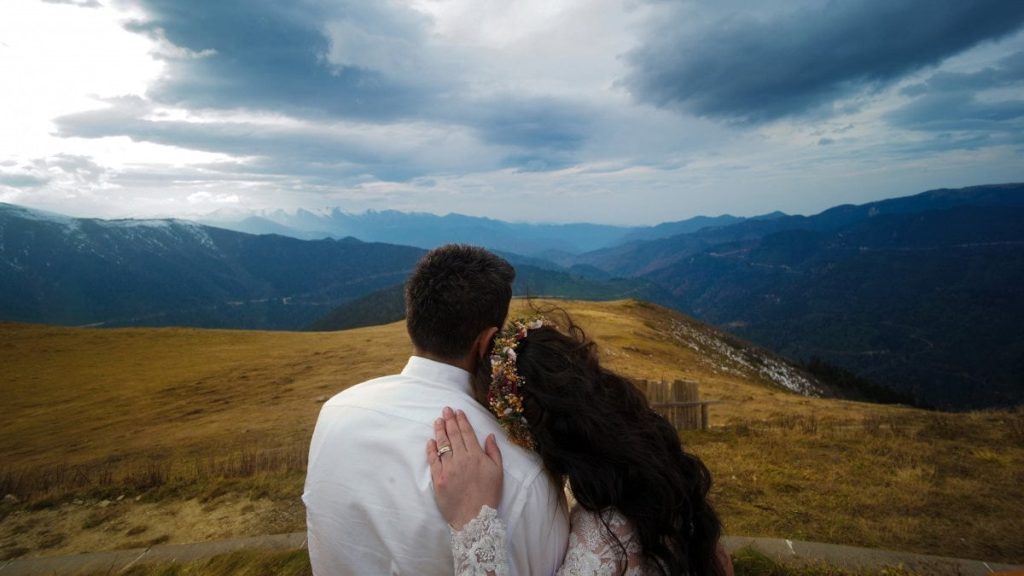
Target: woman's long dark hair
point(595, 429)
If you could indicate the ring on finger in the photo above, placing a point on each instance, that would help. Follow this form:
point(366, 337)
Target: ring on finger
point(443, 450)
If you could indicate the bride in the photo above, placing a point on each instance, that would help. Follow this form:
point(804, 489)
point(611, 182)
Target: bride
point(640, 501)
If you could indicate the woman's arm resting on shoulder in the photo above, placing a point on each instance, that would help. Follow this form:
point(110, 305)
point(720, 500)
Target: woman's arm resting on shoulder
point(467, 487)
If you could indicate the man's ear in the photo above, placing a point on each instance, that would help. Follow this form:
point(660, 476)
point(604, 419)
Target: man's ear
point(483, 343)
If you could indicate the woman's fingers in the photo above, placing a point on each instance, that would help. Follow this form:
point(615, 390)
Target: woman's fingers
point(468, 435)
point(454, 429)
point(465, 476)
point(431, 451)
point(434, 460)
point(441, 438)
point(492, 450)
point(451, 425)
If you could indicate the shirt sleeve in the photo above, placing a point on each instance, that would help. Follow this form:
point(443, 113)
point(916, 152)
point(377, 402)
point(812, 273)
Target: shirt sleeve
point(537, 528)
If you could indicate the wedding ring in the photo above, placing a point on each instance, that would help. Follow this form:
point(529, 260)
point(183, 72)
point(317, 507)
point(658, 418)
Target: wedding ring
point(443, 450)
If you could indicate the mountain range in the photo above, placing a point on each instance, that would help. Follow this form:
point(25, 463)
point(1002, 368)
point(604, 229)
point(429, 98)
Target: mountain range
point(921, 293)
point(170, 272)
point(917, 295)
point(80, 271)
point(556, 242)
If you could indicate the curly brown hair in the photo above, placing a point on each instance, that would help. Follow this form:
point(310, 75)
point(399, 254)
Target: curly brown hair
point(596, 430)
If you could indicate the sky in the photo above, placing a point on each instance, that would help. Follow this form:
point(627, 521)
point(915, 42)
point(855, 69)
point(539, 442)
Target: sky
point(621, 112)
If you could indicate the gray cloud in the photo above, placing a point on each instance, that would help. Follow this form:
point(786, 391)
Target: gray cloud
point(531, 122)
point(751, 69)
point(56, 169)
point(128, 117)
point(1007, 72)
point(287, 149)
point(327, 61)
point(55, 182)
point(959, 111)
point(525, 134)
point(265, 54)
point(953, 102)
point(545, 132)
point(22, 180)
point(81, 166)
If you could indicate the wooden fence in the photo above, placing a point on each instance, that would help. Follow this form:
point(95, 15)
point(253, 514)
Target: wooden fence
point(679, 402)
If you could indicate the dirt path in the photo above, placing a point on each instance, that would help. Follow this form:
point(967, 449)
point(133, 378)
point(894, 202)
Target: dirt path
point(786, 551)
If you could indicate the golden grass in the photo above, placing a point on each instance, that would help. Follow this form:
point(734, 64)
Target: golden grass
point(906, 488)
point(215, 412)
point(81, 396)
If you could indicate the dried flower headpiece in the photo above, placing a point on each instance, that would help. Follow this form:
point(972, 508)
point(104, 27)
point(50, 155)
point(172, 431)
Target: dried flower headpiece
point(503, 397)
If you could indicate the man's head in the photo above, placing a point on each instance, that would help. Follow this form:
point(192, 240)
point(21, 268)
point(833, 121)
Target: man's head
point(456, 294)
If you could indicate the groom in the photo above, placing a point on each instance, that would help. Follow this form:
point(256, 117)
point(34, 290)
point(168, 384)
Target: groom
point(369, 504)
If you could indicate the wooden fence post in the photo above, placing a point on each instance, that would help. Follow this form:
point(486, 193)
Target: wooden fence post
point(679, 402)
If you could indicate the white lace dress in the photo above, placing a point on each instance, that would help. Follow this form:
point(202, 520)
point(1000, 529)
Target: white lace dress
point(479, 548)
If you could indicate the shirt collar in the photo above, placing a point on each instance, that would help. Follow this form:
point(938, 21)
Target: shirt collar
point(434, 371)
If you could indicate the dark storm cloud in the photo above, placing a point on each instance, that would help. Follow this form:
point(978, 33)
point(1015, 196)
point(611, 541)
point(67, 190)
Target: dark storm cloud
point(545, 132)
point(531, 122)
point(325, 61)
point(751, 69)
point(266, 54)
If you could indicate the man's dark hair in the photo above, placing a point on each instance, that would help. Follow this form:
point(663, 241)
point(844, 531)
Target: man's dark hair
point(455, 293)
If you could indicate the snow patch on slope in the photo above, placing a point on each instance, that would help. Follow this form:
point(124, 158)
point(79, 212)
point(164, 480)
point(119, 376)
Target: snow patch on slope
point(742, 361)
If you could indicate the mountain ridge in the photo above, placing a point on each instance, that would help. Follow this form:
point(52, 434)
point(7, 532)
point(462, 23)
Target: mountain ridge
point(916, 293)
point(427, 230)
point(175, 272)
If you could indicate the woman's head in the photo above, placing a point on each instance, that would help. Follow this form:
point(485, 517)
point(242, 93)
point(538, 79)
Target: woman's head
point(595, 429)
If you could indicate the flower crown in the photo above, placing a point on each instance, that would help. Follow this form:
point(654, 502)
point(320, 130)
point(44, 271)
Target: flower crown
point(503, 397)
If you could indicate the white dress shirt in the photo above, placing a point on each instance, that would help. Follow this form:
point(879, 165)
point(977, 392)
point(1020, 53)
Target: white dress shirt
point(370, 507)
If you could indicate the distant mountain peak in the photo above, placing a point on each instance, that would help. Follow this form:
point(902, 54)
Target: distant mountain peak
point(35, 214)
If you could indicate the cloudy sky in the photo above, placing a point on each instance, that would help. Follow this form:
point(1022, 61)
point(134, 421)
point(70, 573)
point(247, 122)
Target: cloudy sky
point(627, 112)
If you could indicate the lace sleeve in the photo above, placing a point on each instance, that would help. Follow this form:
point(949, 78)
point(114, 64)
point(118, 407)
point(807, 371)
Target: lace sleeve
point(593, 551)
point(479, 548)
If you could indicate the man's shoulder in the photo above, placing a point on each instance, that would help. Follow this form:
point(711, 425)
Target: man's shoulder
point(359, 391)
point(399, 397)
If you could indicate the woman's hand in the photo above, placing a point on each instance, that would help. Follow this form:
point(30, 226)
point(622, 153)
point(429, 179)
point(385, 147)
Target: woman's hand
point(466, 477)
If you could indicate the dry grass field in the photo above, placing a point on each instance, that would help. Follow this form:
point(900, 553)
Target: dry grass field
point(113, 438)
